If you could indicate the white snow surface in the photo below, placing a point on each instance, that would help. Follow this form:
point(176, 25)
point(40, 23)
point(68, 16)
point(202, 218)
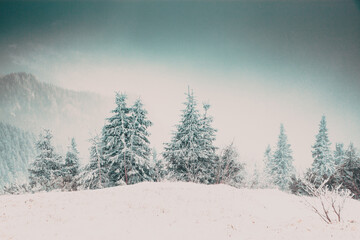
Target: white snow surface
point(169, 211)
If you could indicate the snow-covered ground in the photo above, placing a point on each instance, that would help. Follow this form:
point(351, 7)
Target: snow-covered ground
point(169, 211)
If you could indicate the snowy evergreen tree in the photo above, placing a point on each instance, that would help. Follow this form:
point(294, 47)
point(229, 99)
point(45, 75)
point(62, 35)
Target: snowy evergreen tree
point(190, 152)
point(45, 171)
point(282, 167)
point(139, 161)
point(323, 165)
point(115, 138)
point(126, 144)
point(71, 167)
point(95, 173)
point(339, 154)
point(209, 158)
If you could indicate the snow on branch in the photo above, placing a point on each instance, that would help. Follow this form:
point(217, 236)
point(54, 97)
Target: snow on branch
point(326, 203)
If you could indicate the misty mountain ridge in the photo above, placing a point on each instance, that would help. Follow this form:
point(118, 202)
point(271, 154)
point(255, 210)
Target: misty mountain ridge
point(32, 105)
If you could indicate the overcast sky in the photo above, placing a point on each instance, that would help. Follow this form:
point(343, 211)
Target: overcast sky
point(258, 63)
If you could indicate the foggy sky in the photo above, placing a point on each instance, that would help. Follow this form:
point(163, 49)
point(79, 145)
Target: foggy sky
point(258, 63)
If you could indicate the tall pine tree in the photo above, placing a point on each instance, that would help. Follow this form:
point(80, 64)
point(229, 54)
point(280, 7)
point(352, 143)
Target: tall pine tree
point(126, 144)
point(209, 158)
point(115, 136)
point(323, 165)
point(282, 167)
point(140, 152)
point(190, 152)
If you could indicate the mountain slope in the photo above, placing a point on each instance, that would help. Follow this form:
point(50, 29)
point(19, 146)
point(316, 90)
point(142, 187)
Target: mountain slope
point(169, 211)
point(16, 150)
point(30, 104)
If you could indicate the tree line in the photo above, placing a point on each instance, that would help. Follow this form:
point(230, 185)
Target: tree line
point(339, 168)
point(121, 155)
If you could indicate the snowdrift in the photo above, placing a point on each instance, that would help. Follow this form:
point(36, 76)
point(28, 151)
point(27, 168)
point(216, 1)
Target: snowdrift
point(169, 211)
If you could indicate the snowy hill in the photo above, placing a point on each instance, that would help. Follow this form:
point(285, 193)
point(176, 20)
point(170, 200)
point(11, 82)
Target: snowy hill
point(168, 211)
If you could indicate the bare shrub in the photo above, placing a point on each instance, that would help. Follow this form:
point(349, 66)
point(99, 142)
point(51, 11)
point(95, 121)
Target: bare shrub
point(229, 168)
point(327, 203)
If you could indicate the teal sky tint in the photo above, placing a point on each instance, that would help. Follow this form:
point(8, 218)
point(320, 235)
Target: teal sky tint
point(270, 36)
point(306, 50)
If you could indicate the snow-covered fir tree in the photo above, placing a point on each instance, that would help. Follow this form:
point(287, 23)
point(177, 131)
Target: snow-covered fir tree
point(339, 153)
point(71, 167)
point(190, 152)
point(126, 144)
point(115, 138)
point(209, 158)
point(45, 172)
point(323, 165)
point(95, 174)
point(139, 169)
point(282, 167)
